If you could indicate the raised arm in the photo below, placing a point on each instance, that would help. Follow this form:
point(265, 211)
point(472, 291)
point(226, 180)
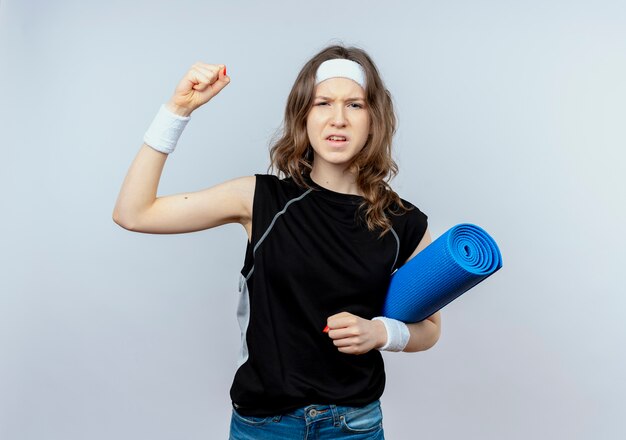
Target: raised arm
point(139, 209)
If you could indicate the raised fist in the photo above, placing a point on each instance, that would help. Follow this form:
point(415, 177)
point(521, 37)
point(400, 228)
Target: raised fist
point(201, 83)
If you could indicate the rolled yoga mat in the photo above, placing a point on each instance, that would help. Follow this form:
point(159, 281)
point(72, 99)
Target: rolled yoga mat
point(451, 265)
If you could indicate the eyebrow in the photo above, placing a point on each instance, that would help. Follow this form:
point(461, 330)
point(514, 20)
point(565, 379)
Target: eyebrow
point(348, 99)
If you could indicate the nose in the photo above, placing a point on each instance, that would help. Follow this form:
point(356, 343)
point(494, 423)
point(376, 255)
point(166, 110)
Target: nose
point(339, 117)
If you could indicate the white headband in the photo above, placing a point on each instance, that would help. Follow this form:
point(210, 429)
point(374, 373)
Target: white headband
point(341, 68)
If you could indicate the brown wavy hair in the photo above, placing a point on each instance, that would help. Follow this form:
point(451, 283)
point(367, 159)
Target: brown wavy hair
point(291, 154)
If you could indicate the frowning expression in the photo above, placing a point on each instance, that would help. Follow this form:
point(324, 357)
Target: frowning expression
point(338, 124)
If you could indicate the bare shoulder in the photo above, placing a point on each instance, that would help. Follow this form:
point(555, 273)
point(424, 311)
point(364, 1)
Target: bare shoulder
point(240, 188)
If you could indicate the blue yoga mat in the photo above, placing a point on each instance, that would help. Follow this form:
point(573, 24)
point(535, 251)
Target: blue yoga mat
point(451, 265)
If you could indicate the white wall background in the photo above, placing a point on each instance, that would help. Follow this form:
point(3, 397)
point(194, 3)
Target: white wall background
point(512, 116)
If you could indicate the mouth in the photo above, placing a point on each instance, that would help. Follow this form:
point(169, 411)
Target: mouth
point(335, 139)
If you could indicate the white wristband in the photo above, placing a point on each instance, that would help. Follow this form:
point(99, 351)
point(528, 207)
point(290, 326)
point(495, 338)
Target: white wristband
point(397, 334)
point(165, 130)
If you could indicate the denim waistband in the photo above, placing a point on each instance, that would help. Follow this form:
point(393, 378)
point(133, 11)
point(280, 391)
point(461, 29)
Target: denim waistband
point(314, 413)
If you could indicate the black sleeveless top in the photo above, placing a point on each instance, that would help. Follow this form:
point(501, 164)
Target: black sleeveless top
point(311, 256)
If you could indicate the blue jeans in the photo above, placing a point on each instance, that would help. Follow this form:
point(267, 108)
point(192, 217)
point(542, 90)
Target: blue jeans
point(312, 422)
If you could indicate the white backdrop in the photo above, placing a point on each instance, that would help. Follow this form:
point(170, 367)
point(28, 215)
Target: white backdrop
point(512, 116)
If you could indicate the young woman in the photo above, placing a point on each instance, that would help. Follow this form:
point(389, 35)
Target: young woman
point(323, 241)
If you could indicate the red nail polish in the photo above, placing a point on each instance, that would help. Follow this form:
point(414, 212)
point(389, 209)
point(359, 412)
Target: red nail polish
point(326, 329)
point(224, 70)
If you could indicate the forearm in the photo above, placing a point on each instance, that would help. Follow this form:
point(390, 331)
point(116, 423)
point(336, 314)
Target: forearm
point(140, 186)
point(424, 335)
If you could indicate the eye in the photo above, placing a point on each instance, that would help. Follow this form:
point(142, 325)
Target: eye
point(321, 103)
point(356, 105)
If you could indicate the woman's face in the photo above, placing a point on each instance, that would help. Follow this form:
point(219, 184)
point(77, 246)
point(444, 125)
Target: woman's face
point(338, 124)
